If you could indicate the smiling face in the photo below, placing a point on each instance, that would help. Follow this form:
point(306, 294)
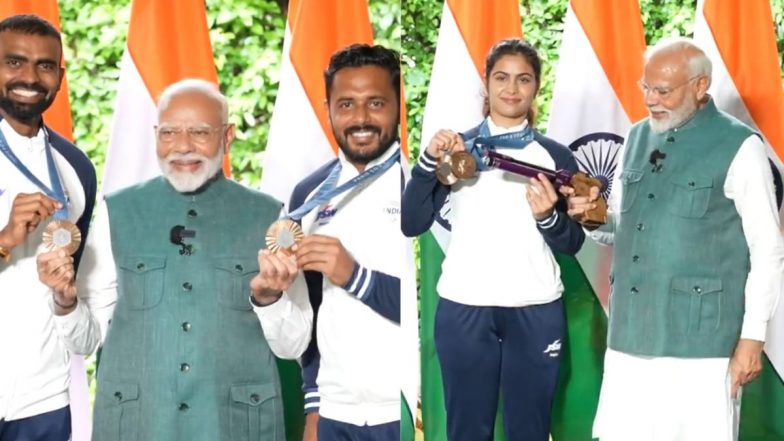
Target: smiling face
point(364, 112)
point(30, 75)
point(511, 89)
point(671, 90)
point(192, 139)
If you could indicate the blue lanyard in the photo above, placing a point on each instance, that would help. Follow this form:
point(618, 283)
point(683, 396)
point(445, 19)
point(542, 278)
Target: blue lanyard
point(56, 192)
point(511, 140)
point(328, 190)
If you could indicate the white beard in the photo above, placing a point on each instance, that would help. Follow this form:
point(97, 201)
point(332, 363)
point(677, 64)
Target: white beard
point(186, 182)
point(675, 118)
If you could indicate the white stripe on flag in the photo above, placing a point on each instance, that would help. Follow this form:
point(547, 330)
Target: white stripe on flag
point(297, 144)
point(585, 103)
point(131, 158)
point(454, 96)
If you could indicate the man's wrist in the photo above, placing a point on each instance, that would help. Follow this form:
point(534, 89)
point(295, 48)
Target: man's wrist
point(6, 246)
point(264, 297)
point(64, 308)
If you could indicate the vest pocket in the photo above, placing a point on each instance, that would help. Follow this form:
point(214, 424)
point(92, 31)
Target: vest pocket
point(253, 412)
point(631, 186)
point(141, 280)
point(233, 281)
point(116, 412)
point(695, 305)
point(690, 196)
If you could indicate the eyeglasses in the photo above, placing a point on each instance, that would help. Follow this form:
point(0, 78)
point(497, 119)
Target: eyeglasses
point(197, 134)
point(661, 91)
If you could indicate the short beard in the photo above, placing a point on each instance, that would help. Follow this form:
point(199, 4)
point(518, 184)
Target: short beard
point(364, 158)
point(24, 112)
point(675, 118)
point(185, 182)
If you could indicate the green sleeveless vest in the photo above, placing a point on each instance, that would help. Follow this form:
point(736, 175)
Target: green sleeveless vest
point(185, 357)
point(681, 260)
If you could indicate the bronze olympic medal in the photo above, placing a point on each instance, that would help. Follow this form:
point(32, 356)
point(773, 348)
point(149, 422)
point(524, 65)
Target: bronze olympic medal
point(62, 235)
point(463, 165)
point(444, 172)
point(282, 235)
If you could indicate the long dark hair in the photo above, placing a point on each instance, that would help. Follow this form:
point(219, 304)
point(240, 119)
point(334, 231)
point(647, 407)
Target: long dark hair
point(514, 46)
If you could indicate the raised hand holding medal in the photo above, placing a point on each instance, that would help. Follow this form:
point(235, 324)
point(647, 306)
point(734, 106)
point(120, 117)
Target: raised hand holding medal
point(283, 234)
point(60, 233)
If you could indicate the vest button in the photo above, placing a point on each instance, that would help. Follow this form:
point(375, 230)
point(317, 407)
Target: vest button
point(692, 184)
point(186, 326)
point(185, 367)
point(118, 395)
point(698, 290)
point(187, 286)
point(640, 227)
point(238, 268)
point(192, 213)
point(651, 196)
point(635, 258)
point(183, 407)
point(140, 266)
point(254, 398)
point(634, 290)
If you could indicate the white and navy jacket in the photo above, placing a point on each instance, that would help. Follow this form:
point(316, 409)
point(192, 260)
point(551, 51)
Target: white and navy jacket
point(36, 344)
point(498, 255)
point(349, 368)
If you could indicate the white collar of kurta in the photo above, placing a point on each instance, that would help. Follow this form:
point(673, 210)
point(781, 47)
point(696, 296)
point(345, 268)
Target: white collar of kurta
point(349, 171)
point(19, 142)
point(498, 130)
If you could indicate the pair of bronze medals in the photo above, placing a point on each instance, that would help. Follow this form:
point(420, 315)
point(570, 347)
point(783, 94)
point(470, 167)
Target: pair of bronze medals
point(461, 165)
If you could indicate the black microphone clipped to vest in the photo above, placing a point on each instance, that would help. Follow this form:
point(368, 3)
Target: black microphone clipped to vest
point(657, 155)
point(177, 236)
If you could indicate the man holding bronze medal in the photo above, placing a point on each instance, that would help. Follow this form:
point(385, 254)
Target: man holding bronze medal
point(342, 245)
point(165, 279)
point(697, 265)
point(47, 192)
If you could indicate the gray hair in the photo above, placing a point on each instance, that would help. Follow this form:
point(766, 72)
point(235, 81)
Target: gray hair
point(698, 62)
point(204, 87)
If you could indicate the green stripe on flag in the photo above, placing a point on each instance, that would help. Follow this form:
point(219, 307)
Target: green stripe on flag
point(406, 421)
point(583, 357)
point(433, 413)
point(762, 407)
point(293, 400)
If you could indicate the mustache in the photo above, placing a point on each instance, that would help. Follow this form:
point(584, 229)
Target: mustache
point(364, 128)
point(37, 87)
point(186, 157)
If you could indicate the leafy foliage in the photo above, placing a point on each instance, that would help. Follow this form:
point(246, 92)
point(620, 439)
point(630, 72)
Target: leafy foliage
point(247, 38)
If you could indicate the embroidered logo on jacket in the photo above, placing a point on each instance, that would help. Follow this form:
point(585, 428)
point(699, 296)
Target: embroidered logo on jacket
point(326, 214)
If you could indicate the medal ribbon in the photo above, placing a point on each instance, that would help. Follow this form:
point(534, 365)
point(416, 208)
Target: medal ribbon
point(328, 190)
point(56, 192)
point(511, 140)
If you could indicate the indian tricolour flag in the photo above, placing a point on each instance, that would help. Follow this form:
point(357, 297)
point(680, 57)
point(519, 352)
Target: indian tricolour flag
point(454, 101)
point(739, 37)
point(595, 101)
point(58, 117)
